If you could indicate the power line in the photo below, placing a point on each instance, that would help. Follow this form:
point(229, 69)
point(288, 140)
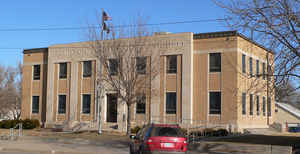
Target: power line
point(95, 27)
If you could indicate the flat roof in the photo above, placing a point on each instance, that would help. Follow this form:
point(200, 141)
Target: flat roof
point(228, 34)
point(35, 50)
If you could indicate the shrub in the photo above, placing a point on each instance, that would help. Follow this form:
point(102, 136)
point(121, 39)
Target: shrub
point(28, 124)
point(36, 123)
point(209, 132)
point(222, 132)
point(135, 129)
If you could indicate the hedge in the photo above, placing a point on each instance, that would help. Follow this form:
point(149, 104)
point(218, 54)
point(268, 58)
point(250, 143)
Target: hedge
point(27, 123)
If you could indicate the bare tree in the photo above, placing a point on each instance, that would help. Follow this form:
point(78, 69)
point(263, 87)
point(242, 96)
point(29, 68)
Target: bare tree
point(130, 61)
point(276, 25)
point(10, 91)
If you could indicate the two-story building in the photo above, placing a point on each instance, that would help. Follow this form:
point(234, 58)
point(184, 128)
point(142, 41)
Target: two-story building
point(217, 78)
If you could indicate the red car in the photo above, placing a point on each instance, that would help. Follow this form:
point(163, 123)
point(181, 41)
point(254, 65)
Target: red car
point(159, 139)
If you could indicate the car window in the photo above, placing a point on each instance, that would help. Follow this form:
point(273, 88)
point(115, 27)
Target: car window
point(167, 131)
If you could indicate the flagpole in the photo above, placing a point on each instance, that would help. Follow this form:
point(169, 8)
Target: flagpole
point(102, 24)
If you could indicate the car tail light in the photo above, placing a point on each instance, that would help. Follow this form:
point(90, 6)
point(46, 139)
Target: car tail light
point(149, 144)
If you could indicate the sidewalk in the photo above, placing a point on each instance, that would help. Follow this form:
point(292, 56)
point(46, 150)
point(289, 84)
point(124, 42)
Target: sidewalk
point(66, 146)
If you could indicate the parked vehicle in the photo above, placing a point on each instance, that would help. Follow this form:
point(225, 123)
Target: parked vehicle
point(159, 139)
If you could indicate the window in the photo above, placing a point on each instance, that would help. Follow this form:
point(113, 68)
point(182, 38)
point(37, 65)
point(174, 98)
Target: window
point(251, 104)
point(264, 106)
point(141, 65)
point(215, 103)
point(250, 67)
point(141, 104)
point(244, 63)
point(264, 70)
point(62, 104)
point(269, 107)
point(86, 104)
point(63, 70)
point(172, 64)
point(36, 72)
point(113, 66)
point(171, 102)
point(269, 72)
point(257, 68)
point(87, 69)
point(243, 103)
point(215, 62)
point(257, 105)
point(35, 104)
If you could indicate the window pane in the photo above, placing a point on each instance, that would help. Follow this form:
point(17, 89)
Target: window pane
point(215, 103)
point(141, 65)
point(244, 103)
point(86, 104)
point(269, 107)
point(171, 103)
point(244, 63)
point(172, 64)
point(141, 104)
point(264, 70)
point(257, 105)
point(36, 72)
point(251, 104)
point(250, 66)
point(257, 68)
point(62, 104)
point(215, 62)
point(35, 104)
point(264, 106)
point(113, 66)
point(87, 68)
point(63, 70)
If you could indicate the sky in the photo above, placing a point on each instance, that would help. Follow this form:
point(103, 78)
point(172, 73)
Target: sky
point(18, 16)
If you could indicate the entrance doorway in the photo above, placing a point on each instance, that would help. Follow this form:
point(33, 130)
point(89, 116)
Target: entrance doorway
point(112, 108)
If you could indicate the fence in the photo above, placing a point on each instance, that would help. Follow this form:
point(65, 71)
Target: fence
point(14, 133)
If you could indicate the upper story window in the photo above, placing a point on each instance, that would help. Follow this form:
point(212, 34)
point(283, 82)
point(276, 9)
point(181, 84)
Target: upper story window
point(215, 62)
point(250, 66)
point(171, 102)
point(87, 69)
point(86, 103)
point(141, 63)
point(113, 66)
point(257, 68)
point(243, 103)
point(36, 72)
point(141, 103)
point(172, 64)
point(264, 70)
point(244, 63)
point(62, 99)
point(63, 68)
point(215, 103)
point(35, 107)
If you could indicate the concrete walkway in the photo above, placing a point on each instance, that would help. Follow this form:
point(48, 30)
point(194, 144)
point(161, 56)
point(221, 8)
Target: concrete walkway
point(68, 146)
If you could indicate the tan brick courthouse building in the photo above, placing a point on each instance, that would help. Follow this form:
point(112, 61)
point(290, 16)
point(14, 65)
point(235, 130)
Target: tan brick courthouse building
point(208, 78)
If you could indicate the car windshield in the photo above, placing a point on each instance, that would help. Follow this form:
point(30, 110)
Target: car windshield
point(167, 131)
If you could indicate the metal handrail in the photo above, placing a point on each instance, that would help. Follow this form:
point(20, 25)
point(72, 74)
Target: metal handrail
point(20, 131)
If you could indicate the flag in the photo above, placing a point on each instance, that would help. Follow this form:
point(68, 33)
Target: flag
point(105, 28)
point(105, 16)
